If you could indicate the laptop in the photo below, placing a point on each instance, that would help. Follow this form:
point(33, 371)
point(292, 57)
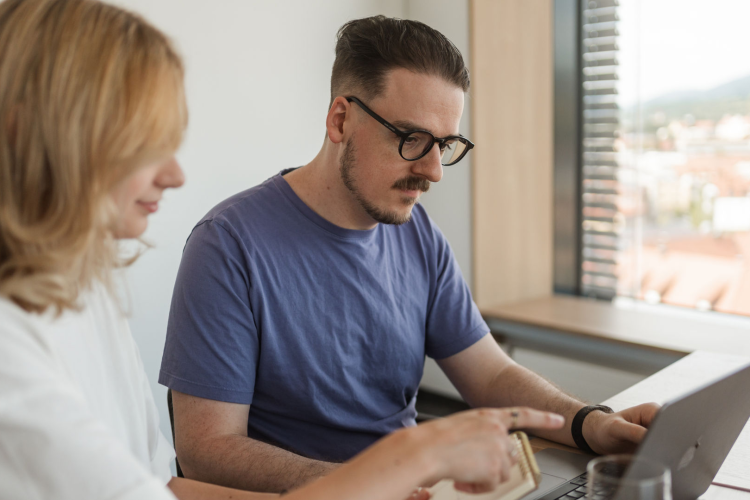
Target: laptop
point(692, 434)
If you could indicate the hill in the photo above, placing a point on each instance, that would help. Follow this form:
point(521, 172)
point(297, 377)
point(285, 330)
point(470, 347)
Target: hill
point(729, 98)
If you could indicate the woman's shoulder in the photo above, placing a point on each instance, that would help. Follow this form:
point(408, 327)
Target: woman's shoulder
point(15, 321)
point(27, 355)
point(31, 331)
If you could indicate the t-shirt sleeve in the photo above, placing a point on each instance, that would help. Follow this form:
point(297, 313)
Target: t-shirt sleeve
point(212, 342)
point(453, 319)
point(51, 446)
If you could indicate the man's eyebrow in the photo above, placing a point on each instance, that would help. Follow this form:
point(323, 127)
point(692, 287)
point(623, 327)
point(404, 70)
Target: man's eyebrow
point(407, 125)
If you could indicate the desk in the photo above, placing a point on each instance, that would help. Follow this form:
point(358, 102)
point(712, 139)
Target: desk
point(690, 372)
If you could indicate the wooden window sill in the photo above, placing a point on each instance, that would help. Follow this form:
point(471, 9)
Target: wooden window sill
point(642, 341)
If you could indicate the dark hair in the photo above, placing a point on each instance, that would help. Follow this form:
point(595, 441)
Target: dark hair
point(366, 49)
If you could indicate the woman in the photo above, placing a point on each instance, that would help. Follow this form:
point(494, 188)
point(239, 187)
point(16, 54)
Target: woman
point(92, 109)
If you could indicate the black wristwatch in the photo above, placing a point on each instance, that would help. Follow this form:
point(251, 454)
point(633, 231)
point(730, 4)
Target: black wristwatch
point(576, 427)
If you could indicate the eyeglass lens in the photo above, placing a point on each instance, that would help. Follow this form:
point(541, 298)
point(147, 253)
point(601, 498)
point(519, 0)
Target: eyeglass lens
point(454, 150)
point(418, 143)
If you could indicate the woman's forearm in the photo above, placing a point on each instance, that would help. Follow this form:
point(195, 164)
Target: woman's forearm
point(187, 489)
point(391, 469)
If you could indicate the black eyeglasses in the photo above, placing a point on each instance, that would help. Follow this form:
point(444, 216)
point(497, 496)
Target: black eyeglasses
point(417, 143)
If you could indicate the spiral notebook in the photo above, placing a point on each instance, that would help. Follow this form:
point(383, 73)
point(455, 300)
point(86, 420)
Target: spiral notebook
point(524, 478)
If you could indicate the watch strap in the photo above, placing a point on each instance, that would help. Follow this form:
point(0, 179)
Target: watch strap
point(576, 427)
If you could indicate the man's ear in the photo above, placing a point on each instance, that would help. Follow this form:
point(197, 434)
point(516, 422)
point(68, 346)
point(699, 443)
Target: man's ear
point(336, 119)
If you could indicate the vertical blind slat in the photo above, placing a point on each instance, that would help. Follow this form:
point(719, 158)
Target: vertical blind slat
point(601, 218)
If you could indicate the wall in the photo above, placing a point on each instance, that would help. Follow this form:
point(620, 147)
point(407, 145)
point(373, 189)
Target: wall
point(513, 174)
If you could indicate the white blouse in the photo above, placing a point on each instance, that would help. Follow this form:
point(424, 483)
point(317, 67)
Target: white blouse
point(77, 416)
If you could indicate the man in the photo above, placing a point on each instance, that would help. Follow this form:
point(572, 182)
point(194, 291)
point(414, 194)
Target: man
point(304, 307)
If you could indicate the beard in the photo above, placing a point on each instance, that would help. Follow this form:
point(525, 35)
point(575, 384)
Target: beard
point(378, 214)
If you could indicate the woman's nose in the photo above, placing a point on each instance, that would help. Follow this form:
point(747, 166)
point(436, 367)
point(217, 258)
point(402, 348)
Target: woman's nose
point(171, 175)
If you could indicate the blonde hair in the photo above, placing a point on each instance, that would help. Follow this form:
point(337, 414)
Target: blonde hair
point(88, 93)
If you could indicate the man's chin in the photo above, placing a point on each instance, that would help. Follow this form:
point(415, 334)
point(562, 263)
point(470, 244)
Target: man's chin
point(392, 217)
point(398, 218)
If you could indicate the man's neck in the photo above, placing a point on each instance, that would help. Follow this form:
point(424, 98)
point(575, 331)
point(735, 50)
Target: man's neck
point(318, 184)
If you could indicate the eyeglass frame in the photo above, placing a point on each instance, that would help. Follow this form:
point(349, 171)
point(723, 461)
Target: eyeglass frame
point(403, 134)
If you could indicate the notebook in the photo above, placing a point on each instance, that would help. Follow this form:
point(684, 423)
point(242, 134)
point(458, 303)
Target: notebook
point(524, 478)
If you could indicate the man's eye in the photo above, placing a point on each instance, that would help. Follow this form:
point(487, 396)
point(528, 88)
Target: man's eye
point(410, 140)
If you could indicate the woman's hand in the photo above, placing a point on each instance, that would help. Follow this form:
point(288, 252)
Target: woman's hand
point(420, 494)
point(474, 448)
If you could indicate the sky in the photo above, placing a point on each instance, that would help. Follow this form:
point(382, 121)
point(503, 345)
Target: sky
point(673, 45)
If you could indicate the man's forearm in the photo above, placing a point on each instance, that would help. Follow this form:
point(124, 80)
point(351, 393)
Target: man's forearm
point(487, 376)
point(519, 386)
point(240, 462)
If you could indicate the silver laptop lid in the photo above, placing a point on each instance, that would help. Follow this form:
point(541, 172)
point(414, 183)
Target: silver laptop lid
point(693, 434)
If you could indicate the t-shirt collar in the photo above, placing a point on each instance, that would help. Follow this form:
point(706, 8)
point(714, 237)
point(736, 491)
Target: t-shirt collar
point(286, 189)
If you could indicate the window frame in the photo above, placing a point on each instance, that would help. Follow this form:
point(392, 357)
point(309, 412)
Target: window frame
point(567, 148)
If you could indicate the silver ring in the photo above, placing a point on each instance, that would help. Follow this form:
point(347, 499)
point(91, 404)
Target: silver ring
point(415, 493)
point(514, 416)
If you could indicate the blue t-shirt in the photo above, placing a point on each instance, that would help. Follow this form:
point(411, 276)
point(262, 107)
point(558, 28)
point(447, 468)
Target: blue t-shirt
point(322, 330)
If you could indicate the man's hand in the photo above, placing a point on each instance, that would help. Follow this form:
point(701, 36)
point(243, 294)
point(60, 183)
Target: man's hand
point(619, 432)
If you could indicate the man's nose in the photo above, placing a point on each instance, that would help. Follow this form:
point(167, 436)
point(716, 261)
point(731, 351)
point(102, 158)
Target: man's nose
point(430, 166)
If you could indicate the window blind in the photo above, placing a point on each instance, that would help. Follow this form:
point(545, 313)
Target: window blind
point(601, 220)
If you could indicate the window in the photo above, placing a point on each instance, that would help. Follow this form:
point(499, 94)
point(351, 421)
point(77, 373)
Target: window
point(663, 151)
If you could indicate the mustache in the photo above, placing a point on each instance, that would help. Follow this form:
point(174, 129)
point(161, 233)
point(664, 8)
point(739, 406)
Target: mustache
point(412, 184)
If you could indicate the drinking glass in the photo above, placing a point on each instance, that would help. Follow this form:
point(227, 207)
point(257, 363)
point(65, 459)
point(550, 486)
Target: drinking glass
point(627, 477)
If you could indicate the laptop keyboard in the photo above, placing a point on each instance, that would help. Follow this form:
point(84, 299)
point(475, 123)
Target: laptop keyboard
point(572, 490)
